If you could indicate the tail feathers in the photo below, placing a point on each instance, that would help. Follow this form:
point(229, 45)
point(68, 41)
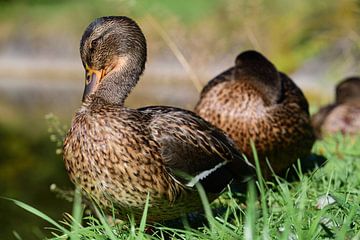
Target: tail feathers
point(213, 180)
point(217, 179)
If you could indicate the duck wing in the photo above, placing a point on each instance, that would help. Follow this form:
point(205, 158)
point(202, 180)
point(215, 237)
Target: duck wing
point(195, 151)
point(227, 75)
point(291, 93)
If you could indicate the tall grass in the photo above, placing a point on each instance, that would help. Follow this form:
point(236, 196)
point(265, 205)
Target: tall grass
point(323, 204)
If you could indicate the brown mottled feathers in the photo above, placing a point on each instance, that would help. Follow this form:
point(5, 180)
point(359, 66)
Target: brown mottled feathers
point(343, 116)
point(253, 101)
point(118, 155)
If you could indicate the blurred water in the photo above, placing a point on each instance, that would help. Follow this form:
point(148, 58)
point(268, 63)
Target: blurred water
point(43, 85)
point(46, 85)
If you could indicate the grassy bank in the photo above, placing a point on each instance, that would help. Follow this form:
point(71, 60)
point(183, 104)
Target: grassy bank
point(323, 204)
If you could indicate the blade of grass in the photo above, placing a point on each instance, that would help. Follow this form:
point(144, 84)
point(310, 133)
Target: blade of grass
point(213, 224)
point(262, 192)
point(206, 204)
point(77, 213)
point(144, 216)
point(301, 203)
point(104, 223)
point(16, 235)
point(39, 214)
point(250, 217)
point(347, 222)
point(178, 54)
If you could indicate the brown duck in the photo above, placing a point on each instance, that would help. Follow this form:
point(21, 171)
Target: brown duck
point(253, 101)
point(118, 155)
point(342, 116)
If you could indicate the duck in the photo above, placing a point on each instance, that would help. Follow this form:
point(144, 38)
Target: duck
point(124, 158)
point(342, 116)
point(253, 102)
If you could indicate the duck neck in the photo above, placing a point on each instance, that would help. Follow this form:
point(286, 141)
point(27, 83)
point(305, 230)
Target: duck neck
point(116, 86)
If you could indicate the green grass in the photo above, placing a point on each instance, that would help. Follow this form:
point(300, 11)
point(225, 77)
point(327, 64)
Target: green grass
point(283, 210)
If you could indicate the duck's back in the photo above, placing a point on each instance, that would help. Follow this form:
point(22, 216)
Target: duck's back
point(342, 116)
point(339, 118)
point(280, 131)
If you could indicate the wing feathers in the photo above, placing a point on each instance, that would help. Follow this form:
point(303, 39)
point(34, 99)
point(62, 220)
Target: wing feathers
point(195, 151)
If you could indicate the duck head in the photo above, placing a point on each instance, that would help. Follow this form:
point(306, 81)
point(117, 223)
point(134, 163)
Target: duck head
point(348, 90)
point(255, 69)
point(113, 53)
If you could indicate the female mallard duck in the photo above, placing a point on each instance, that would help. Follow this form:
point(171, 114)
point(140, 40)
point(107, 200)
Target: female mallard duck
point(119, 155)
point(253, 101)
point(343, 115)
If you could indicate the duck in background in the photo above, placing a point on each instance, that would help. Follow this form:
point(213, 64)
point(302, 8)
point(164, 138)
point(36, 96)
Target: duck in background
point(343, 116)
point(118, 155)
point(253, 101)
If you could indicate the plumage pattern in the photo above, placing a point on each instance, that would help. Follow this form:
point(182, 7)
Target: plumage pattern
point(253, 101)
point(343, 116)
point(118, 155)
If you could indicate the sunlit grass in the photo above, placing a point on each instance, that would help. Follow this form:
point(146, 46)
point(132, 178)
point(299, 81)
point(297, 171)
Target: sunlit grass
point(280, 210)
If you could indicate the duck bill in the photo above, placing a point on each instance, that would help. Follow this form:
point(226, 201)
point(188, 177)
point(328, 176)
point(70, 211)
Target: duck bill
point(92, 80)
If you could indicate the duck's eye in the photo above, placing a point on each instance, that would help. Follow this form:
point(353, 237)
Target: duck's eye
point(95, 42)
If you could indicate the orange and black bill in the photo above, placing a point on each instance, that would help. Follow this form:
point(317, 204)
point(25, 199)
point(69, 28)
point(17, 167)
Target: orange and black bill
point(92, 80)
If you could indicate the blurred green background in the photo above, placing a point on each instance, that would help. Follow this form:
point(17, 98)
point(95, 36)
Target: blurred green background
point(316, 42)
